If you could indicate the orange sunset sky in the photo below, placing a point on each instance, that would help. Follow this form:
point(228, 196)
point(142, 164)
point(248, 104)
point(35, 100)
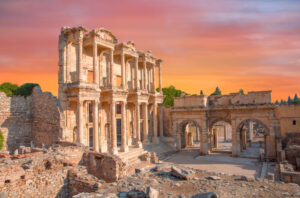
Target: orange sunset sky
point(233, 44)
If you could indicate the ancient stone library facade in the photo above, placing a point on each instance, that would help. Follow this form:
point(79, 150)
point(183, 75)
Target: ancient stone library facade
point(110, 99)
point(107, 91)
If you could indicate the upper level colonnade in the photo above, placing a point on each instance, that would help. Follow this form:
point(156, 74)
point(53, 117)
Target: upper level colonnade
point(97, 60)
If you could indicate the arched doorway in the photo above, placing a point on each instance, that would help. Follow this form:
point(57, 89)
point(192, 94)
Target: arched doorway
point(189, 134)
point(252, 135)
point(220, 137)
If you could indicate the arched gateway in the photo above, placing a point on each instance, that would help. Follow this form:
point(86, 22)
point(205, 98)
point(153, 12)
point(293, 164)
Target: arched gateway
point(251, 118)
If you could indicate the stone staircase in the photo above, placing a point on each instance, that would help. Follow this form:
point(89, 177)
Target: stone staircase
point(132, 159)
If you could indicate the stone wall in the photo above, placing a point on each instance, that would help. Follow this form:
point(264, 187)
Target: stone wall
point(46, 118)
point(36, 117)
point(105, 166)
point(15, 121)
point(167, 121)
point(287, 115)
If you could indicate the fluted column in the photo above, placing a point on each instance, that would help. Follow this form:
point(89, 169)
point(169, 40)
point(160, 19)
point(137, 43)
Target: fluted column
point(95, 63)
point(79, 64)
point(159, 76)
point(124, 146)
point(154, 138)
point(102, 141)
point(145, 113)
point(113, 144)
point(161, 121)
point(137, 127)
point(137, 86)
point(153, 79)
point(145, 75)
point(112, 76)
point(96, 125)
point(123, 71)
point(80, 121)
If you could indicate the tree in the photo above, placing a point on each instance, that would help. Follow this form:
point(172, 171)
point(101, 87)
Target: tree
point(217, 92)
point(26, 89)
point(201, 92)
point(241, 92)
point(8, 88)
point(277, 103)
point(296, 97)
point(169, 94)
point(290, 101)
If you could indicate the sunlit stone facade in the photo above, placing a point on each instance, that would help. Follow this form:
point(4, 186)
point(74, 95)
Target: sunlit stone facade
point(110, 92)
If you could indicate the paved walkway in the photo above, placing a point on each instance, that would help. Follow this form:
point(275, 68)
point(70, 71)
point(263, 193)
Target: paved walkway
point(222, 163)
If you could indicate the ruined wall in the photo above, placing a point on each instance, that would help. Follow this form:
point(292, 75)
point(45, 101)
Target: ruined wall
point(167, 121)
point(36, 117)
point(15, 121)
point(190, 101)
point(287, 114)
point(46, 118)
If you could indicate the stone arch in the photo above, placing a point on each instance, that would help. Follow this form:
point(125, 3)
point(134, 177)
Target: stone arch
point(183, 124)
point(183, 137)
point(214, 121)
point(245, 121)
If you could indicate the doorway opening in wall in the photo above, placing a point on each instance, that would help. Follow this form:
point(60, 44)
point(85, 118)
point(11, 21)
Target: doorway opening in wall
point(91, 137)
point(252, 135)
point(220, 137)
point(119, 134)
point(190, 136)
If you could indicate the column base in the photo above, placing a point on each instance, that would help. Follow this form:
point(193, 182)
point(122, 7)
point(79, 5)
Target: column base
point(138, 144)
point(155, 140)
point(114, 151)
point(124, 148)
point(103, 148)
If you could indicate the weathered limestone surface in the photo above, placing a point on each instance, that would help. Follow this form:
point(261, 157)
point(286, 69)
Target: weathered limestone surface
point(47, 119)
point(35, 118)
point(15, 121)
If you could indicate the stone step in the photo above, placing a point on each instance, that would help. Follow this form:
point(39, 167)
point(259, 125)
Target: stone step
point(131, 153)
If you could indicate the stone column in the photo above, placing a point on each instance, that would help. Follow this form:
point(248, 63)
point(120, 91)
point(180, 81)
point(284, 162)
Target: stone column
point(154, 138)
point(244, 138)
point(161, 121)
point(111, 75)
point(102, 141)
point(124, 146)
point(138, 130)
point(251, 131)
point(79, 64)
point(159, 76)
point(154, 79)
point(204, 139)
point(145, 74)
point(137, 73)
point(197, 134)
point(123, 70)
point(113, 144)
point(79, 121)
point(95, 63)
point(146, 128)
point(215, 135)
point(96, 126)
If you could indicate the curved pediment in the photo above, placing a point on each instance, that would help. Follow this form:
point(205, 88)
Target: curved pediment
point(106, 35)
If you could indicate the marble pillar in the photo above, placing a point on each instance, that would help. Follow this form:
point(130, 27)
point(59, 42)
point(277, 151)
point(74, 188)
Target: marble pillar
point(124, 146)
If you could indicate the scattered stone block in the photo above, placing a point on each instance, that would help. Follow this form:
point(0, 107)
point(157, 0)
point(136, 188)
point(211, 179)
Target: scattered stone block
point(206, 195)
point(152, 193)
point(180, 173)
point(213, 177)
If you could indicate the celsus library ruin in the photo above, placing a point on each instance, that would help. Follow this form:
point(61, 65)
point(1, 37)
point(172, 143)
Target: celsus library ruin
point(109, 134)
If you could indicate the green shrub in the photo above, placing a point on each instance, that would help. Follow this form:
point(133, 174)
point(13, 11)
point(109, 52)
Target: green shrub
point(26, 89)
point(1, 140)
point(8, 88)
